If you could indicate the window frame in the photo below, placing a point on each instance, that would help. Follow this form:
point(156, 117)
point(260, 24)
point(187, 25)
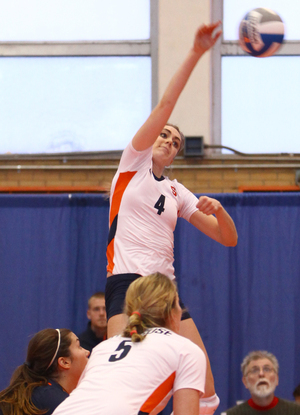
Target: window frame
point(147, 47)
point(230, 48)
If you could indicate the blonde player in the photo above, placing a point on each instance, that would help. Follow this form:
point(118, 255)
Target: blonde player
point(145, 206)
point(137, 372)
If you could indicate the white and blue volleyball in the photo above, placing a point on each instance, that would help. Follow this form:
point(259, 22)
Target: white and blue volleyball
point(261, 32)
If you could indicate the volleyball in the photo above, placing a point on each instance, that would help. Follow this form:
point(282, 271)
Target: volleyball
point(261, 32)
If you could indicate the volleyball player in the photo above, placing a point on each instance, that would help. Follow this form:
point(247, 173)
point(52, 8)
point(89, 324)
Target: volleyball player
point(145, 205)
point(137, 372)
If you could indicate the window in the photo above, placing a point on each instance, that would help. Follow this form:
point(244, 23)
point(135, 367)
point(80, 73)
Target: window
point(74, 20)
point(75, 76)
point(256, 99)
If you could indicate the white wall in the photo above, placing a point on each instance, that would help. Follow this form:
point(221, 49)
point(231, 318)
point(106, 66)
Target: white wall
point(178, 21)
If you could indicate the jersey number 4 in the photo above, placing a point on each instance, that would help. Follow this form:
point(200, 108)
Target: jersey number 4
point(159, 205)
point(123, 349)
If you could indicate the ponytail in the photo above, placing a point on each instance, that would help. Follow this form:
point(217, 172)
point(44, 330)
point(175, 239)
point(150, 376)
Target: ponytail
point(149, 302)
point(43, 352)
point(135, 327)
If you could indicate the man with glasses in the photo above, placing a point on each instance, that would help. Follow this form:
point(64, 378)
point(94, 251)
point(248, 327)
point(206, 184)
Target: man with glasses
point(260, 377)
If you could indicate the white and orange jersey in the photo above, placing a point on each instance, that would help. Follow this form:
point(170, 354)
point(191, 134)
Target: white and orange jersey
point(128, 378)
point(143, 216)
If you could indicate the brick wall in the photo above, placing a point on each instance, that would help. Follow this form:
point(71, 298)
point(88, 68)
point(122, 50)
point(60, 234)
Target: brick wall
point(210, 174)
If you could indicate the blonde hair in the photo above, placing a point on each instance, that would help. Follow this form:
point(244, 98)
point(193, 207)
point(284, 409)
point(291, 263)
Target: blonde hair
point(148, 303)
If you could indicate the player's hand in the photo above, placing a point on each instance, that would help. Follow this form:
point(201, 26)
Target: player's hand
point(208, 205)
point(205, 39)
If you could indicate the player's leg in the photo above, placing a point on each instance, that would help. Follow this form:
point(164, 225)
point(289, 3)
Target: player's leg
point(116, 325)
point(115, 292)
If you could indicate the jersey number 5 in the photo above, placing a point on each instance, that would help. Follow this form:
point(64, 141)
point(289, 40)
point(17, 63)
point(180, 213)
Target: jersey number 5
point(123, 350)
point(159, 205)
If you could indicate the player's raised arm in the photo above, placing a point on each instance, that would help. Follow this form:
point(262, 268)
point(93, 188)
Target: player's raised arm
point(205, 37)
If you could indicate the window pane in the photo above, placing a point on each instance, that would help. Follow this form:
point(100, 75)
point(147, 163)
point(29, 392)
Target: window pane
point(235, 10)
point(72, 104)
point(71, 20)
point(260, 104)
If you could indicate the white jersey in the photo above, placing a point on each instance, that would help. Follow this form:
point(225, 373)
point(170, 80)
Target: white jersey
point(143, 216)
point(128, 378)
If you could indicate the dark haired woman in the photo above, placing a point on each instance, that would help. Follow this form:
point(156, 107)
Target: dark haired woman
point(54, 364)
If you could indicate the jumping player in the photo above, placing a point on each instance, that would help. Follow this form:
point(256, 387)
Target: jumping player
point(144, 205)
point(136, 373)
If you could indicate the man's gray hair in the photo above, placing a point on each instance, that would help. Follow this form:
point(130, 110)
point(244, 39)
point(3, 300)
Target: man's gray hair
point(256, 355)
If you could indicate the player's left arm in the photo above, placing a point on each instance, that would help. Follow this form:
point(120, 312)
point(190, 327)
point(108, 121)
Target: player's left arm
point(212, 219)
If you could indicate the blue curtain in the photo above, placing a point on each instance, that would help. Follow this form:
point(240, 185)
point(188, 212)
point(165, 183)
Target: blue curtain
point(52, 258)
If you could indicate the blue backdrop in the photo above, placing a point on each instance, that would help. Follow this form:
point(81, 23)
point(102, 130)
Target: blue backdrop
point(52, 258)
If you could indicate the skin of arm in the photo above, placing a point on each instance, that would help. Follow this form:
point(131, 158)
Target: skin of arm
point(150, 130)
point(186, 402)
point(213, 220)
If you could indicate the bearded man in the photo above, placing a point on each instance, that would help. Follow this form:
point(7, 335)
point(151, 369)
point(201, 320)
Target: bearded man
point(260, 377)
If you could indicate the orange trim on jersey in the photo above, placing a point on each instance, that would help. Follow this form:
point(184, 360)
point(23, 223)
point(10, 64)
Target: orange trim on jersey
point(122, 183)
point(158, 395)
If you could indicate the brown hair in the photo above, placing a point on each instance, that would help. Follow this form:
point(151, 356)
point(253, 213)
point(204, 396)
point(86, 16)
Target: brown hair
point(16, 398)
point(99, 294)
point(149, 302)
point(296, 392)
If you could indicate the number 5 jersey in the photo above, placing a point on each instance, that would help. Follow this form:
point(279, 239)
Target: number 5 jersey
point(128, 378)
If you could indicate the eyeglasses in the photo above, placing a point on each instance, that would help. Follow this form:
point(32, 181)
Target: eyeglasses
point(256, 370)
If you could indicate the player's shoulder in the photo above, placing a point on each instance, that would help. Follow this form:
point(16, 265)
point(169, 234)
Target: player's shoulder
point(131, 153)
point(183, 345)
point(192, 348)
point(178, 189)
point(48, 396)
point(173, 182)
point(160, 332)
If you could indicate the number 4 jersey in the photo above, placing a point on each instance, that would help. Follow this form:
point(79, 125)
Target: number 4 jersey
point(143, 216)
point(128, 378)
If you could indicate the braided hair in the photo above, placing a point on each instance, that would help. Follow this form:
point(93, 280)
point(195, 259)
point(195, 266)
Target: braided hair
point(148, 303)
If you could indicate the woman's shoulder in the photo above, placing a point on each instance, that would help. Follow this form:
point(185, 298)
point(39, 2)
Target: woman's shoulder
point(179, 343)
point(177, 185)
point(131, 152)
point(48, 396)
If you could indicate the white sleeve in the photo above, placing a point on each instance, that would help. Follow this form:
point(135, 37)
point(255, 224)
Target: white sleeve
point(191, 370)
point(187, 202)
point(209, 405)
point(132, 159)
